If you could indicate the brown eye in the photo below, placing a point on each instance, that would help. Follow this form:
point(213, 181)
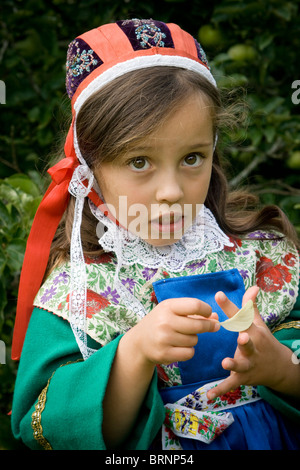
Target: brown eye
point(139, 164)
point(193, 160)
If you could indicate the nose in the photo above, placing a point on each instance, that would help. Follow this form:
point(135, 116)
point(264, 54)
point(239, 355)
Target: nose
point(169, 188)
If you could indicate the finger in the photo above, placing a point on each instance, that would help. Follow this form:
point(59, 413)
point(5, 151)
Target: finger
point(240, 366)
point(188, 306)
point(194, 325)
point(245, 344)
point(241, 363)
point(230, 383)
point(184, 340)
point(213, 316)
point(178, 354)
point(251, 294)
point(228, 307)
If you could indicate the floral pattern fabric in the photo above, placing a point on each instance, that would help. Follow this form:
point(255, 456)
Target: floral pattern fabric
point(192, 424)
point(272, 264)
point(196, 417)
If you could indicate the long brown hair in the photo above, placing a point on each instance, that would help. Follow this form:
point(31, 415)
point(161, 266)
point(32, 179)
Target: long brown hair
point(130, 108)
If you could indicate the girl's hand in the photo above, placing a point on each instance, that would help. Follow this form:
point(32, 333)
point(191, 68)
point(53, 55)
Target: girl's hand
point(169, 332)
point(259, 358)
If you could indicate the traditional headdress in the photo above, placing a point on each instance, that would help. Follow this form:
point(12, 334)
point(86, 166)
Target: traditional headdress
point(94, 59)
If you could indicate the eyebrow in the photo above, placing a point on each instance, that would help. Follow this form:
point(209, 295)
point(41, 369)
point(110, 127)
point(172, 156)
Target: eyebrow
point(201, 144)
point(151, 147)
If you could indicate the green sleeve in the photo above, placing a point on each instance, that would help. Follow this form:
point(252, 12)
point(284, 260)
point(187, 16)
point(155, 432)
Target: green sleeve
point(52, 372)
point(288, 333)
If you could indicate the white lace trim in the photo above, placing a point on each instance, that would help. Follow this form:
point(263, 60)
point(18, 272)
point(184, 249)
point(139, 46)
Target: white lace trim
point(202, 238)
point(78, 273)
point(121, 68)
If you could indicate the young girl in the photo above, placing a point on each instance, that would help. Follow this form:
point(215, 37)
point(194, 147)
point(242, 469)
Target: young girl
point(143, 252)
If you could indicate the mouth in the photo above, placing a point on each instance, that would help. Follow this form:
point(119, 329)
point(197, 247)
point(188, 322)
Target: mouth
point(168, 223)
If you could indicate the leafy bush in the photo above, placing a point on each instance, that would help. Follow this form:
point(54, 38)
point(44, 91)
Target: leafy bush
point(19, 199)
point(254, 46)
point(250, 44)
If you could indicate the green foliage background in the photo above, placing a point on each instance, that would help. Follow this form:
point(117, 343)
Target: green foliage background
point(250, 44)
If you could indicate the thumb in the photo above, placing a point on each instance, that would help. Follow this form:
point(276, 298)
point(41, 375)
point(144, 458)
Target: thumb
point(251, 294)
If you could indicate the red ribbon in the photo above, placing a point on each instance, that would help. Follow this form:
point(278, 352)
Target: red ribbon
point(45, 223)
point(63, 170)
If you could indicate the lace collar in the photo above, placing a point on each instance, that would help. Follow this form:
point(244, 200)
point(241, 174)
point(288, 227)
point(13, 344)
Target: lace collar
point(203, 237)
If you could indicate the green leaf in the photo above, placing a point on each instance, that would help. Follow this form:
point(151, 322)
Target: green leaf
point(284, 12)
point(5, 218)
point(24, 183)
point(212, 266)
point(273, 104)
point(3, 297)
point(34, 114)
point(3, 261)
point(31, 206)
point(270, 133)
point(15, 254)
point(265, 40)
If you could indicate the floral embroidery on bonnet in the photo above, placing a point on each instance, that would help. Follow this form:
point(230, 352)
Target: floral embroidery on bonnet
point(81, 61)
point(144, 34)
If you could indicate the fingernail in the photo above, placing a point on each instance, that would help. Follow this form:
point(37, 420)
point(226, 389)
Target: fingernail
point(222, 296)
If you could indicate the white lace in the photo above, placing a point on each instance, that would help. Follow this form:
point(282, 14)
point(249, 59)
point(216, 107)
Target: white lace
point(204, 236)
point(140, 62)
point(77, 304)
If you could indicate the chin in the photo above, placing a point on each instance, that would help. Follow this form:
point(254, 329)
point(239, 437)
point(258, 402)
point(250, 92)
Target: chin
point(163, 241)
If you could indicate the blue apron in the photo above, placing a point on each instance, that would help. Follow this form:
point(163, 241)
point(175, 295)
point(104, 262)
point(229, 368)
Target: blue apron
point(256, 425)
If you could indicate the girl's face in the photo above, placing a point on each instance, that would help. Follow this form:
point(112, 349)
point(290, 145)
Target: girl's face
point(157, 187)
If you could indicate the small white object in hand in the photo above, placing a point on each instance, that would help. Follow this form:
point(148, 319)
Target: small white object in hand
point(242, 320)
